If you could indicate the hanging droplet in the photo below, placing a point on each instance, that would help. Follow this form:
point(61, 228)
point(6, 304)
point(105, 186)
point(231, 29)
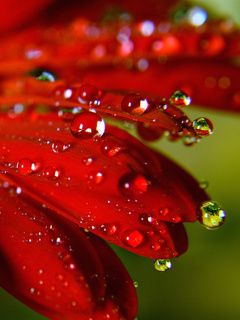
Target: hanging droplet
point(212, 215)
point(162, 265)
point(135, 283)
point(203, 126)
point(203, 184)
point(133, 238)
point(190, 140)
point(180, 98)
point(135, 104)
point(88, 125)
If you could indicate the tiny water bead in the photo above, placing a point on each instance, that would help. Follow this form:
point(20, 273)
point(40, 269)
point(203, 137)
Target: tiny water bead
point(43, 75)
point(203, 126)
point(26, 166)
point(58, 146)
point(212, 215)
point(133, 238)
point(133, 184)
point(162, 265)
point(88, 125)
point(135, 104)
point(111, 147)
point(180, 98)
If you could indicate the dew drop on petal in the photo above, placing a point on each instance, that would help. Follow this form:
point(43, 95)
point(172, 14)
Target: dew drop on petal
point(203, 126)
point(162, 265)
point(133, 238)
point(58, 146)
point(26, 166)
point(180, 98)
point(135, 104)
point(88, 125)
point(212, 215)
point(133, 184)
point(88, 93)
point(111, 147)
point(43, 75)
point(109, 229)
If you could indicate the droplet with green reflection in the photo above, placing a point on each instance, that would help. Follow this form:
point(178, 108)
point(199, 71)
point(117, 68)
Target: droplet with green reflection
point(212, 215)
point(162, 265)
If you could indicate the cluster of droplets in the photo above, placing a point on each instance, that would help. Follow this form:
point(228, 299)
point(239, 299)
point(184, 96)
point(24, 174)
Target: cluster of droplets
point(133, 107)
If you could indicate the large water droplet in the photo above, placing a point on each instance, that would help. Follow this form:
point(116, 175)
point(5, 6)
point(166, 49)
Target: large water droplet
point(88, 125)
point(135, 104)
point(180, 98)
point(203, 126)
point(162, 265)
point(212, 215)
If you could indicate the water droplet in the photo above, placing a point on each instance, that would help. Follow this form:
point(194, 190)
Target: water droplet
point(197, 16)
point(95, 177)
point(180, 98)
point(133, 238)
point(44, 75)
point(135, 104)
point(190, 140)
point(133, 184)
point(145, 218)
point(88, 125)
point(58, 146)
point(52, 173)
point(88, 94)
point(111, 147)
point(26, 166)
point(212, 215)
point(110, 229)
point(162, 265)
point(203, 126)
point(135, 283)
point(87, 161)
point(203, 184)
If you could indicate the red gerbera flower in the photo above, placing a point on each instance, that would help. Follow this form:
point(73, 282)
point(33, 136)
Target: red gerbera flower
point(69, 178)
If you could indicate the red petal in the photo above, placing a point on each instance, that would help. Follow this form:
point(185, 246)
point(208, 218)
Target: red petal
point(13, 12)
point(91, 187)
point(209, 83)
point(56, 268)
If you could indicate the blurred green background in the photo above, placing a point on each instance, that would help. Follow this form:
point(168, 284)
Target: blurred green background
point(205, 282)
